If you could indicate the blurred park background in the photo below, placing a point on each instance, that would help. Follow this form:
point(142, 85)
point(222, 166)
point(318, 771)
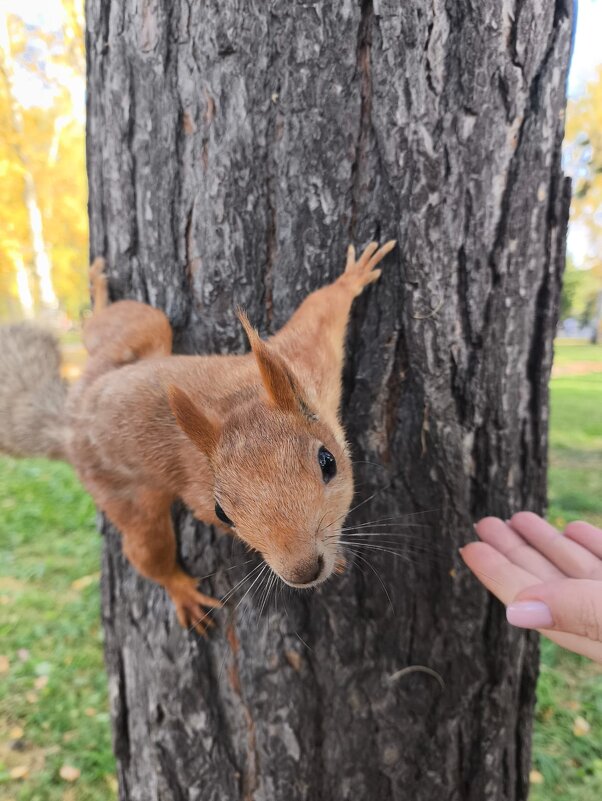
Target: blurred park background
point(54, 722)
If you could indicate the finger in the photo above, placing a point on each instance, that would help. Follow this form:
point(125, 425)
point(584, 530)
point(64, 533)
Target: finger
point(380, 255)
point(373, 276)
point(573, 606)
point(504, 579)
point(579, 645)
point(586, 535)
point(508, 542)
point(365, 257)
point(567, 555)
point(350, 258)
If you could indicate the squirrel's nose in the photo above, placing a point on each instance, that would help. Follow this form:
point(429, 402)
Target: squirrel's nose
point(307, 571)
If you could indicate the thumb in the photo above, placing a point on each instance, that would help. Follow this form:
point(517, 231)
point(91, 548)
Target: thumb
point(570, 605)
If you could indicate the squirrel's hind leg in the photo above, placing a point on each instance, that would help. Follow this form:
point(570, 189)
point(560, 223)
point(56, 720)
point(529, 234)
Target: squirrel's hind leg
point(99, 289)
point(122, 332)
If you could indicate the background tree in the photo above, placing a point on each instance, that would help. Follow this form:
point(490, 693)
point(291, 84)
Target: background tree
point(233, 152)
point(584, 161)
point(43, 225)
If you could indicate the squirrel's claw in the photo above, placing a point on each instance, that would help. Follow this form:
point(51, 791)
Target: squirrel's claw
point(361, 272)
point(190, 604)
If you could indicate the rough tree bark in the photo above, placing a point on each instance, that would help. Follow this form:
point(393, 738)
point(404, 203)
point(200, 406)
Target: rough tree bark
point(234, 149)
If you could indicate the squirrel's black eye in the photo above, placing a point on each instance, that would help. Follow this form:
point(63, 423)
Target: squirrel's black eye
point(219, 512)
point(328, 464)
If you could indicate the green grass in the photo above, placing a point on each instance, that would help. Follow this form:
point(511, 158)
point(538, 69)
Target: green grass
point(569, 686)
point(575, 476)
point(567, 757)
point(572, 351)
point(53, 701)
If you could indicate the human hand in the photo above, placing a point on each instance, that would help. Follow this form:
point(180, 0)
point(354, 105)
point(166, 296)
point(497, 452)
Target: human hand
point(548, 581)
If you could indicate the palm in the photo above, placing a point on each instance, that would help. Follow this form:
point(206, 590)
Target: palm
point(529, 558)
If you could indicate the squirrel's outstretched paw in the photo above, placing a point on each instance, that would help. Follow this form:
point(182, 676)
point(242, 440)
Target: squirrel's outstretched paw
point(360, 273)
point(190, 604)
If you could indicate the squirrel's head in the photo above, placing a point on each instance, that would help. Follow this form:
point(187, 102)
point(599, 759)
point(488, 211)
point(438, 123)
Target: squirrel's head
point(282, 477)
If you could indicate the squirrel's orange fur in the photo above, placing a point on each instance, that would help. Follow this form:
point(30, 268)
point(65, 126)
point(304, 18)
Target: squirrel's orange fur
point(147, 427)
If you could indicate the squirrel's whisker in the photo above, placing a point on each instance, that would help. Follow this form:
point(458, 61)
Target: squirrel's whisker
point(259, 575)
point(230, 592)
point(379, 578)
point(411, 557)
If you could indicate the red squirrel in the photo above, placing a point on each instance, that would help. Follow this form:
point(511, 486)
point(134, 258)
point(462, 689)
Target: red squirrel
point(250, 443)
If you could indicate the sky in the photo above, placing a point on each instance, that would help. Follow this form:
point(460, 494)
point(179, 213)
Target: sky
point(587, 53)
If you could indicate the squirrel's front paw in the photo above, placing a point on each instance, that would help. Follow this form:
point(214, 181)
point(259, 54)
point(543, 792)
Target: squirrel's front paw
point(189, 602)
point(358, 274)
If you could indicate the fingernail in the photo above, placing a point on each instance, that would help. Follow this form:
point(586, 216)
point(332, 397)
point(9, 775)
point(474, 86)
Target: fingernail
point(529, 615)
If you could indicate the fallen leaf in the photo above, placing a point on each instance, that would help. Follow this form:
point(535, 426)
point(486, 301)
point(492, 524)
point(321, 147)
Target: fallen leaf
point(4, 664)
point(69, 774)
point(23, 654)
point(31, 697)
point(85, 581)
point(40, 682)
point(89, 711)
point(111, 781)
point(19, 772)
point(535, 777)
point(16, 733)
point(581, 727)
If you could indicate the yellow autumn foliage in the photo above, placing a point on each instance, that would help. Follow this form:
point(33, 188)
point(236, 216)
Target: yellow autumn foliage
point(45, 140)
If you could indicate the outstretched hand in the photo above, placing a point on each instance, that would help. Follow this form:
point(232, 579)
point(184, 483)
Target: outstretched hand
point(548, 581)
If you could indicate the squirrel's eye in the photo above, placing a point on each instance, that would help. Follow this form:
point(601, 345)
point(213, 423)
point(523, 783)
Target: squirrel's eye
point(219, 512)
point(328, 464)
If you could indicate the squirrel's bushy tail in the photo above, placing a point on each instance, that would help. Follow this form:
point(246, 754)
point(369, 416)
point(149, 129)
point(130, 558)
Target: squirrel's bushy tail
point(32, 393)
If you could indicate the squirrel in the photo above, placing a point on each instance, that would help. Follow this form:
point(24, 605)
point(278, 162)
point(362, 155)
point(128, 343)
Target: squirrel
point(250, 443)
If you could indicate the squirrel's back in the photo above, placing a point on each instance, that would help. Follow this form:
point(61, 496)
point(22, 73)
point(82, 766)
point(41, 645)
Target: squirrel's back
point(32, 393)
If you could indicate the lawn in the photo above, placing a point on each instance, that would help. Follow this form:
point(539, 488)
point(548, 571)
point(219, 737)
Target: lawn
point(53, 700)
point(53, 705)
point(567, 745)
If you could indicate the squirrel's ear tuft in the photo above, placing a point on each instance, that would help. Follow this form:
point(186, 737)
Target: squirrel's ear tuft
point(278, 381)
point(201, 428)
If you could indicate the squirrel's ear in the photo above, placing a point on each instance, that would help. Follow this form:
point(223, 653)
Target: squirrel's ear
point(202, 428)
point(278, 381)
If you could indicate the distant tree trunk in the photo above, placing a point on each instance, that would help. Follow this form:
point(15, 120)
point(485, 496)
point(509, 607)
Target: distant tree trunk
point(233, 151)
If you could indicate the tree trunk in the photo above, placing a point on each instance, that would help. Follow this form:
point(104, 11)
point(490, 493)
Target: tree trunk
point(234, 150)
